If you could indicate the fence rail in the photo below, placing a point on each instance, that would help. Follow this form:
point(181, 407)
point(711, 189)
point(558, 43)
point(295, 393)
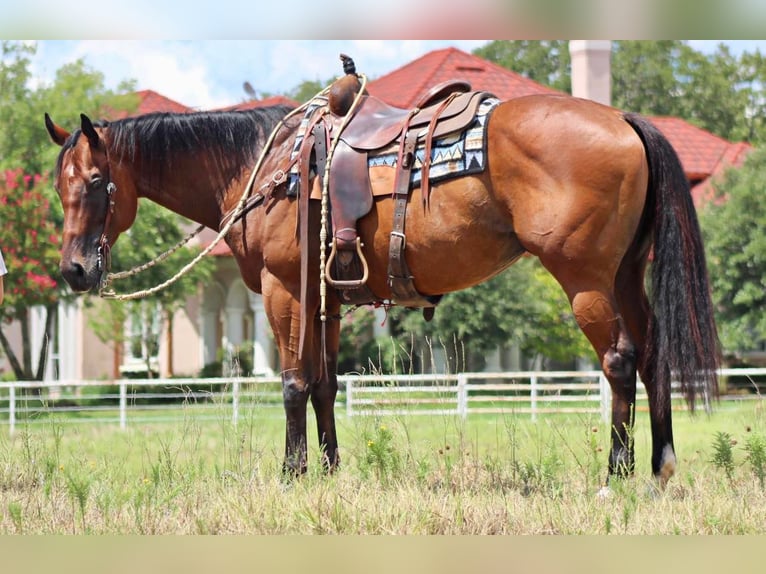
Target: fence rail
point(157, 400)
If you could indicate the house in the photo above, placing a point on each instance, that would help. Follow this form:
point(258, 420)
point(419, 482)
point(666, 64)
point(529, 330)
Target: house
point(226, 313)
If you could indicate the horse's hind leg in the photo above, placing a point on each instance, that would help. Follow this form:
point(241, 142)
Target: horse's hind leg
point(635, 309)
point(595, 310)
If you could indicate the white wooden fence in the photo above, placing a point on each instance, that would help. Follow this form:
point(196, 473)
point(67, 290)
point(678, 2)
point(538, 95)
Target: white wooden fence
point(530, 393)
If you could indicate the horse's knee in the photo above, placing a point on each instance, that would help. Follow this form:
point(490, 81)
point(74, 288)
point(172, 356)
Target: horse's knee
point(325, 390)
point(295, 392)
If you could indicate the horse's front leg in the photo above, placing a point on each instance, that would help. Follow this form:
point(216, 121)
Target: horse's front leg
point(323, 393)
point(283, 311)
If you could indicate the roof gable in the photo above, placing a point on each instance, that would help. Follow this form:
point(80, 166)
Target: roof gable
point(406, 85)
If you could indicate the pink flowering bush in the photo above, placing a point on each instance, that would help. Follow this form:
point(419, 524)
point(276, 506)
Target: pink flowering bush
point(30, 244)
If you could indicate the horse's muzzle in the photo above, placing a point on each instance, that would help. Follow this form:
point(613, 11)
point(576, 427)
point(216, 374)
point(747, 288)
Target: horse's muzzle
point(79, 276)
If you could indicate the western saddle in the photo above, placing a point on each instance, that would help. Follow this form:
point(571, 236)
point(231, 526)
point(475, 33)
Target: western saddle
point(371, 126)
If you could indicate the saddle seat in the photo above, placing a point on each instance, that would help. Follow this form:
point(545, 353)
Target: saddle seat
point(377, 124)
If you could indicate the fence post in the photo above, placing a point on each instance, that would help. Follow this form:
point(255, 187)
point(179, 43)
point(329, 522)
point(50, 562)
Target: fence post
point(349, 409)
point(533, 396)
point(462, 395)
point(123, 404)
point(11, 408)
point(605, 396)
point(235, 402)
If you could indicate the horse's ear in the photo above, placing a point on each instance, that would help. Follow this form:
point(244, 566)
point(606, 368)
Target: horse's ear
point(89, 131)
point(58, 134)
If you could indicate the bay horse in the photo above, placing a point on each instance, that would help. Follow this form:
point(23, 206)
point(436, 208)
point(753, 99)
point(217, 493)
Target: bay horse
point(589, 190)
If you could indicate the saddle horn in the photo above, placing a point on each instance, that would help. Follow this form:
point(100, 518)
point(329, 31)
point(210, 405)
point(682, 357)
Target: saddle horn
point(343, 91)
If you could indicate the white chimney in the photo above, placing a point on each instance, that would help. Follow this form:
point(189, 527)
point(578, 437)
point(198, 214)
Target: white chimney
point(591, 69)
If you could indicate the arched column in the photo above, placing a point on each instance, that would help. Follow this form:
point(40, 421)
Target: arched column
point(262, 342)
point(210, 317)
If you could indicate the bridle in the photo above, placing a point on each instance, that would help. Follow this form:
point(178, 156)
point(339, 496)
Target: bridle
point(104, 251)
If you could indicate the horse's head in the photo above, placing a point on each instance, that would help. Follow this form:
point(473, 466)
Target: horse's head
point(99, 203)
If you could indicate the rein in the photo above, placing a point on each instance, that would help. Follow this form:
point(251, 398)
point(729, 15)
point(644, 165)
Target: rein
point(231, 218)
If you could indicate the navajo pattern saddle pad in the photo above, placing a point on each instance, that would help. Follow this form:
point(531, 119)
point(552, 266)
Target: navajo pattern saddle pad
point(457, 154)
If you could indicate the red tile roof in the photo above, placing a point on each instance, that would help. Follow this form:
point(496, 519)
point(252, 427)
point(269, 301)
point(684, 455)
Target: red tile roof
point(406, 85)
point(704, 155)
point(270, 101)
point(698, 150)
point(151, 101)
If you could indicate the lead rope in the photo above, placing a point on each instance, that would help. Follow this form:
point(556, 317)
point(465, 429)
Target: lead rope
point(107, 293)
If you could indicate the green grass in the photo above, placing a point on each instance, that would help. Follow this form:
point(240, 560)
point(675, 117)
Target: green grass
point(426, 474)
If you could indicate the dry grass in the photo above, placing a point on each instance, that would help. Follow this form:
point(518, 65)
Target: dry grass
point(406, 475)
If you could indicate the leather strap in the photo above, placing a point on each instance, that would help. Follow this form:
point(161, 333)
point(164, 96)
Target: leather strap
point(424, 183)
point(399, 277)
point(315, 138)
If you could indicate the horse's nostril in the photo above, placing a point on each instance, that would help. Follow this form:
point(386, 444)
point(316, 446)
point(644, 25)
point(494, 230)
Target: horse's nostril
point(75, 275)
point(75, 270)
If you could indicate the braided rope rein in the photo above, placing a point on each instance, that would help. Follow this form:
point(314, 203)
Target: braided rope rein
point(325, 194)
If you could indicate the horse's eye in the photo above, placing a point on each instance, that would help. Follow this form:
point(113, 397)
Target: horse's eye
point(96, 182)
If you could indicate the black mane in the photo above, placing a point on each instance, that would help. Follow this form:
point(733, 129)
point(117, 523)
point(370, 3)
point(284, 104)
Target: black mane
point(229, 139)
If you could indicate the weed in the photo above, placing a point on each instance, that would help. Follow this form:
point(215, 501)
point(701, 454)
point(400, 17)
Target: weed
point(78, 487)
point(14, 509)
point(723, 455)
point(380, 457)
point(755, 446)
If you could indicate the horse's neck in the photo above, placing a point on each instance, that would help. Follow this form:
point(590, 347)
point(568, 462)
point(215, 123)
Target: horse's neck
point(186, 188)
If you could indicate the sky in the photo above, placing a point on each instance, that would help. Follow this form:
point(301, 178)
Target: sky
point(207, 74)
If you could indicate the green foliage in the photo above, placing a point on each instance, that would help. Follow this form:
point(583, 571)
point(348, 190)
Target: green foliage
point(31, 214)
point(734, 230)
point(723, 453)
point(29, 241)
point(307, 89)
point(718, 92)
point(755, 446)
point(30, 244)
point(546, 62)
point(24, 141)
point(643, 76)
point(380, 458)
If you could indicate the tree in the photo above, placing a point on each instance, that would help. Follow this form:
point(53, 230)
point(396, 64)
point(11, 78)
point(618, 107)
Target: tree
point(307, 89)
point(546, 62)
point(29, 241)
point(31, 216)
point(718, 92)
point(734, 229)
point(644, 76)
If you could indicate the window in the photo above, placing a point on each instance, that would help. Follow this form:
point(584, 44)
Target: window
point(142, 341)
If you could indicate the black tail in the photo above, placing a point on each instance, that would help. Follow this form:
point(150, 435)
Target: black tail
point(682, 342)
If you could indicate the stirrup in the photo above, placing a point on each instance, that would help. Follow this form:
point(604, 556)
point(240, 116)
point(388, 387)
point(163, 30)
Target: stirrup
point(350, 283)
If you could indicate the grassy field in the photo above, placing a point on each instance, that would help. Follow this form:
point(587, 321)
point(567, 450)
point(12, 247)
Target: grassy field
point(498, 474)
